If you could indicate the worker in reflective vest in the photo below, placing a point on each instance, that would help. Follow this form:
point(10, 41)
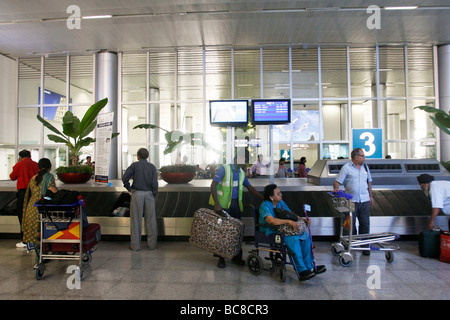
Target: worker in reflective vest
point(226, 193)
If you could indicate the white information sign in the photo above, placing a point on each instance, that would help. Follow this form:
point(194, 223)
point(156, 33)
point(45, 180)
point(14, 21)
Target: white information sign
point(103, 136)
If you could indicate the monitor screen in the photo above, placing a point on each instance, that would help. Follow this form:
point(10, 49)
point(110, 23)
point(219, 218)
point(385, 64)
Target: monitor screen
point(274, 111)
point(233, 113)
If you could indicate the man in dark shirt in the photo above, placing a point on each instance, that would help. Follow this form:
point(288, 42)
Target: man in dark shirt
point(143, 193)
point(23, 171)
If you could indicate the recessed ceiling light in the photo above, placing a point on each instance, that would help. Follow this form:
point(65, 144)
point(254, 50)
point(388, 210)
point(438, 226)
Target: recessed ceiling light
point(105, 16)
point(401, 8)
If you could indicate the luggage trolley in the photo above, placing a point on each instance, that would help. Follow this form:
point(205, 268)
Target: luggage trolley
point(60, 225)
point(363, 242)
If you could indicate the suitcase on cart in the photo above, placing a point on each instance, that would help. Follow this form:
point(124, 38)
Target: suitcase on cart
point(429, 244)
point(216, 233)
point(91, 236)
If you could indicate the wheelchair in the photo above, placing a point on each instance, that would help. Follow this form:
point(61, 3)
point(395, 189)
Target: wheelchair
point(274, 244)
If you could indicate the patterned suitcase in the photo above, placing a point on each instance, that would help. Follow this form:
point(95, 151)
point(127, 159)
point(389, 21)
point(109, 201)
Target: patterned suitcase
point(91, 236)
point(221, 235)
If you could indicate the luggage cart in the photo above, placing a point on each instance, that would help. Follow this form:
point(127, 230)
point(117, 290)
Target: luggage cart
point(363, 242)
point(61, 225)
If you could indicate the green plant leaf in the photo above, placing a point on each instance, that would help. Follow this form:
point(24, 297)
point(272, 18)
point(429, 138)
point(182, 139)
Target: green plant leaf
point(71, 125)
point(57, 139)
point(91, 114)
point(48, 125)
point(88, 129)
point(148, 126)
point(429, 109)
point(84, 142)
point(440, 124)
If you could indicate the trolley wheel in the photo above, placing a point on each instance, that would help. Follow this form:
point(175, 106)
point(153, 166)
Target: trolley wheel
point(86, 258)
point(254, 264)
point(346, 259)
point(39, 274)
point(389, 256)
point(336, 249)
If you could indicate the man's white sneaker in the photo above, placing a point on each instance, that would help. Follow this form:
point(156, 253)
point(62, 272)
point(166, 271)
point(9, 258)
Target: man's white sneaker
point(21, 245)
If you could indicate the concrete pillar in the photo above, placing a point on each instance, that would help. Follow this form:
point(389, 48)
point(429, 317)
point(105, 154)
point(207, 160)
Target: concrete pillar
point(106, 87)
point(444, 94)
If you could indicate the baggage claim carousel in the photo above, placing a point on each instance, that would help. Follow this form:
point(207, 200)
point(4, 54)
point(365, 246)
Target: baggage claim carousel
point(400, 206)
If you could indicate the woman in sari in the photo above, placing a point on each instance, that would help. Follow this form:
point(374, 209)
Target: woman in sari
point(37, 187)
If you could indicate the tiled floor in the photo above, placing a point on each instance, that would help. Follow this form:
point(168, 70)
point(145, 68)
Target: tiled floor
point(177, 270)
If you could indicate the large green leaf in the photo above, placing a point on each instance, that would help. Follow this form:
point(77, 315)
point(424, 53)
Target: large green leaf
point(441, 118)
point(148, 126)
point(429, 109)
point(57, 139)
point(441, 122)
point(84, 142)
point(49, 125)
point(91, 114)
point(88, 129)
point(71, 125)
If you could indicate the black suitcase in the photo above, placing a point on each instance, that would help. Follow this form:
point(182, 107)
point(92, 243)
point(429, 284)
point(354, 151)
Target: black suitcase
point(429, 244)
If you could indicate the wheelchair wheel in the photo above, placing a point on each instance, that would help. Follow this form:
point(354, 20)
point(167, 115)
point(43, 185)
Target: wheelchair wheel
point(254, 264)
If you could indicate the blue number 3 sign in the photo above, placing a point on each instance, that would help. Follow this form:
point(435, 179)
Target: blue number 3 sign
point(370, 140)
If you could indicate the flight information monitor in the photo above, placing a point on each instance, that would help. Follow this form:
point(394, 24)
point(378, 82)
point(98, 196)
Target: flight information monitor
point(274, 111)
point(224, 113)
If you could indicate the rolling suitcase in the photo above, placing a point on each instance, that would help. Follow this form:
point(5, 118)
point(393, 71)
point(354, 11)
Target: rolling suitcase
point(215, 233)
point(445, 247)
point(91, 236)
point(429, 244)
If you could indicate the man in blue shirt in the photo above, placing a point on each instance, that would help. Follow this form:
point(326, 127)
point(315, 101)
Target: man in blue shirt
point(227, 194)
point(143, 193)
point(356, 178)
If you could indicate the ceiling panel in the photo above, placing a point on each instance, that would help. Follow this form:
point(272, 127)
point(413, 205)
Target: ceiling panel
point(40, 27)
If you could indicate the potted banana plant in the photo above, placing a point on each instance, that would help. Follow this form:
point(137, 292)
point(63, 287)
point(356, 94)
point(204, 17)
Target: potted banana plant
point(442, 120)
point(179, 173)
point(75, 136)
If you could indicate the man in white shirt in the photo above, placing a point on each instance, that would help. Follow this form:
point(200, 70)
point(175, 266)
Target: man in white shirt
point(439, 193)
point(259, 168)
point(355, 176)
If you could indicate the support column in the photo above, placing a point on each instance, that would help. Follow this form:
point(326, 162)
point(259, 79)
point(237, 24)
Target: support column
point(106, 87)
point(154, 114)
point(444, 94)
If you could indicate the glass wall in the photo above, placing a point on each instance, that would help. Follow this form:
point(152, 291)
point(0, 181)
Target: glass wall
point(44, 85)
point(332, 90)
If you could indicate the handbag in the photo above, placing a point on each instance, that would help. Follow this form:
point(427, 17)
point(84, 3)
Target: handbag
point(288, 230)
point(285, 214)
point(63, 196)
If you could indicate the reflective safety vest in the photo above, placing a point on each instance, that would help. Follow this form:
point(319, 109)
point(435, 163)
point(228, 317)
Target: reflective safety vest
point(225, 188)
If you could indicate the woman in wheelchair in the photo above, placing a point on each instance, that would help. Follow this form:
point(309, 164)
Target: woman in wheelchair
point(299, 245)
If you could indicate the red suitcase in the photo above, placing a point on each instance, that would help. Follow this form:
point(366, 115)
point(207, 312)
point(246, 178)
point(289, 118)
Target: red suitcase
point(445, 247)
point(91, 236)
